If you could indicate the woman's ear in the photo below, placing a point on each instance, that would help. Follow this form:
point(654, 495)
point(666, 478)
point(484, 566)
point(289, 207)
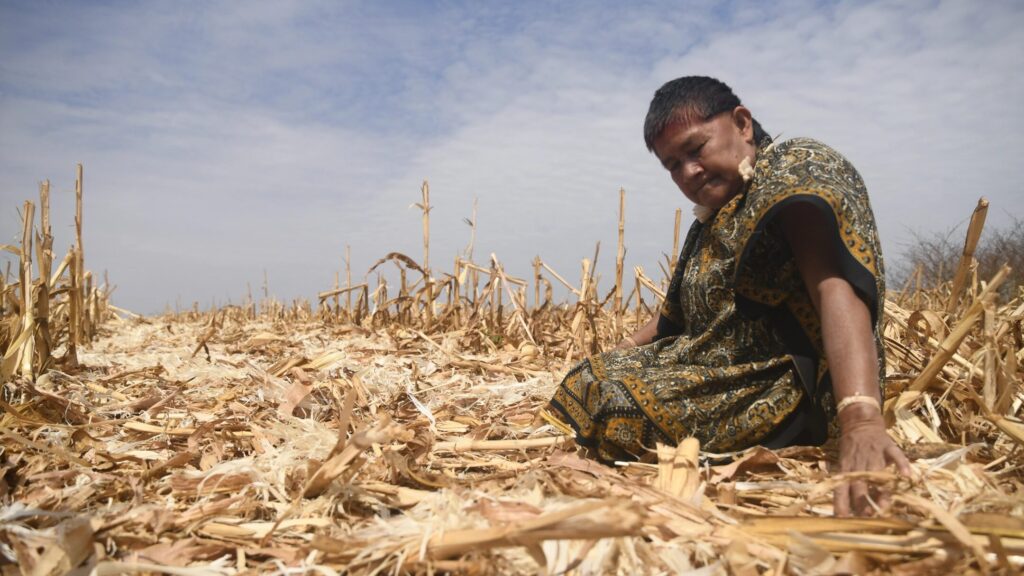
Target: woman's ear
point(744, 122)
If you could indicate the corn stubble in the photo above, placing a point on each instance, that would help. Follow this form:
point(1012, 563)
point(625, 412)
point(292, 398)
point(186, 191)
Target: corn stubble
point(392, 429)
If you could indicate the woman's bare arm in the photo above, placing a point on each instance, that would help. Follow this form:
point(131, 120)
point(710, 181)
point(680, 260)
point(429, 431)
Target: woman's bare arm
point(850, 350)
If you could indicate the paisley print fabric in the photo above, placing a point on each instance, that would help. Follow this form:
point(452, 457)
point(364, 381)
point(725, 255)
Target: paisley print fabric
point(739, 353)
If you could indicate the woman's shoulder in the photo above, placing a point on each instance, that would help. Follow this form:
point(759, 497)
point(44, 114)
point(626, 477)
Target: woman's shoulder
point(801, 148)
point(802, 158)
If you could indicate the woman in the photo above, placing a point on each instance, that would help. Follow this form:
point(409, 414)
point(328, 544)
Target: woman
point(780, 271)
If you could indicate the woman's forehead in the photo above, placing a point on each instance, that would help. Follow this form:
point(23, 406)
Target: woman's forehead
point(684, 121)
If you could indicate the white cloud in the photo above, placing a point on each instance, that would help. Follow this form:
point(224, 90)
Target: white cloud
point(222, 139)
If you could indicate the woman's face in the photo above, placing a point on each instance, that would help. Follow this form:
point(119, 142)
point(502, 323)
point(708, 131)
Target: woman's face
point(703, 156)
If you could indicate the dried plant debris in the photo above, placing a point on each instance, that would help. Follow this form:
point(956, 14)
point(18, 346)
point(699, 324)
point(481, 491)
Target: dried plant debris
point(306, 445)
point(395, 433)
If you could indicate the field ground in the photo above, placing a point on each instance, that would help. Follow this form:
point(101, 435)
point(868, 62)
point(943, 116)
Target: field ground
point(181, 446)
point(399, 435)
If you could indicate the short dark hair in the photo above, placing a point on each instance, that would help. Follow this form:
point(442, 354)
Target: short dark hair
point(691, 96)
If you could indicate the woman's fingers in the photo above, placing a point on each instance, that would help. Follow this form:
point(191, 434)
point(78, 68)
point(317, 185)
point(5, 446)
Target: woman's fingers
point(884, 499)
point(859, 497)
point(896, 456)
point(841, 501)
point(866, 450)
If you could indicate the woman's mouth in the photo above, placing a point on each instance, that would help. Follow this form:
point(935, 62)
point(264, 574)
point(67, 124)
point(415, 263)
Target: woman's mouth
point(707, 185)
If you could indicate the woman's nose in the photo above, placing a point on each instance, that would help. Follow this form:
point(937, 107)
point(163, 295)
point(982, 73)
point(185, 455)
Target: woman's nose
point(692, 170)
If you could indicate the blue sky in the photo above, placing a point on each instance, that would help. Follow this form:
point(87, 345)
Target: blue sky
point(224, 138)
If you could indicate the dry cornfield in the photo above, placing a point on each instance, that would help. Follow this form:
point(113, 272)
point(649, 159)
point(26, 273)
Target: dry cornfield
point(395, 433)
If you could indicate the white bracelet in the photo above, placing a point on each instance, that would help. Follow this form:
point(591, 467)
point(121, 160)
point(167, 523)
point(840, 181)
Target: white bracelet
point(857, 399)
point(631, 340)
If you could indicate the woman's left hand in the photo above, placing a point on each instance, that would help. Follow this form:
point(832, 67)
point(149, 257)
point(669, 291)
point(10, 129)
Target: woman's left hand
point(864, 445)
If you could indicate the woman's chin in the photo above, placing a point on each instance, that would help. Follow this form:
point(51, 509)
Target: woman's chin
point(715, 198)
point(713, 202)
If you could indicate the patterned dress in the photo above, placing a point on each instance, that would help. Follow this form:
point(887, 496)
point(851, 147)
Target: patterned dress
point(739, 355)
